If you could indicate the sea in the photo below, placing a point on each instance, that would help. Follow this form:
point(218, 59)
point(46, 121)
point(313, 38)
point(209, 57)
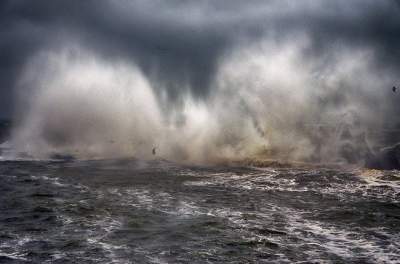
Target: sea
point(156, 211)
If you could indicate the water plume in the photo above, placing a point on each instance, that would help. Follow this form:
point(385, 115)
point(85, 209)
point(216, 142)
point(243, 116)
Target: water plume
point(79, 105)
point(268, 99)
point(305, 107)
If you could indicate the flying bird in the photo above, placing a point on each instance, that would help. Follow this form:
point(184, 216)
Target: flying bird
point(394, 89)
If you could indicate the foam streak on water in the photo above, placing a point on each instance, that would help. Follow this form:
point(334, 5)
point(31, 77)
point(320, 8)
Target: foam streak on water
point(129, 211)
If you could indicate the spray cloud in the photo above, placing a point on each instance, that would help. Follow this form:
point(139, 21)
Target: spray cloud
point(277, 79)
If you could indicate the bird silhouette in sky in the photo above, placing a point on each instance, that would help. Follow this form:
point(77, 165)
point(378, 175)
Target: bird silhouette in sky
point(394, 89)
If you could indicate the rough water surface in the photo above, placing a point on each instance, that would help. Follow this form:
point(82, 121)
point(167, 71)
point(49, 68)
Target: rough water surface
point(131, 211)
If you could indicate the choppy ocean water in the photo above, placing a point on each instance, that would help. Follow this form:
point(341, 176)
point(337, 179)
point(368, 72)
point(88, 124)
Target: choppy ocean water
point(131, 211)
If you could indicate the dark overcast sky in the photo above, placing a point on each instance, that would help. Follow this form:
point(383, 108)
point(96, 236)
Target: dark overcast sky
point(186, 38)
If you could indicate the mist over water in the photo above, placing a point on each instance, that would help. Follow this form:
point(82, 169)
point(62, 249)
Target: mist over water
point(203, 81)
point(267, 99)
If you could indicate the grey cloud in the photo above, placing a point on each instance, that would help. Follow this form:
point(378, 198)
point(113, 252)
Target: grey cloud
point(177, 44)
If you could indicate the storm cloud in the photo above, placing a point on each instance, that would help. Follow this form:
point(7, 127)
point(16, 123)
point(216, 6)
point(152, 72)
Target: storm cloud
point(177, 44)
